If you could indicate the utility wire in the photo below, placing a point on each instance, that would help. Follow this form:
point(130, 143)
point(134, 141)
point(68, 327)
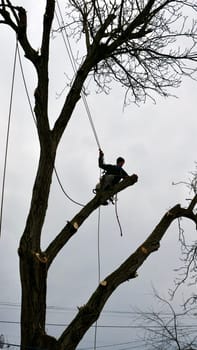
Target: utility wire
point(113, 312)
point(7, 137)
point(140, 326)
point(111, 345)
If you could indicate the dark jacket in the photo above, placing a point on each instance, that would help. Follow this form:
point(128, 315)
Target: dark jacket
point(118, 172)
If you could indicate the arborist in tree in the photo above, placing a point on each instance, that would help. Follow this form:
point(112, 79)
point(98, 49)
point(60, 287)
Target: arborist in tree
point(112, 173)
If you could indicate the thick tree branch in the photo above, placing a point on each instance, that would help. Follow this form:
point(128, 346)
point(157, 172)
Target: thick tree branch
point(72, 226)
point(48, 19)
point(90, 312)
point(40, 62)
point(42, 183)
point(193, 203)
point(41, 92)
point(19, 26)
point(72, 99)
point(35, 219)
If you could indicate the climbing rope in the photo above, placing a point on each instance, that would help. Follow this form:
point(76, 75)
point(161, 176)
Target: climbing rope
point(34, 118)
point(99, 268)
point(74, 66)
point(63, 190)
point(98, 241)
point(7, 137)
point(90, 119)
point(117, 216)
point(72, 60)
point(25, 85)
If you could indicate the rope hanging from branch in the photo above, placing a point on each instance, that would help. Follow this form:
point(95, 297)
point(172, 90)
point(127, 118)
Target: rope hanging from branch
point(7, 136)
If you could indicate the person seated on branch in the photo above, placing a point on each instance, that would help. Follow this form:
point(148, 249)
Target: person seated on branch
point(112, 173)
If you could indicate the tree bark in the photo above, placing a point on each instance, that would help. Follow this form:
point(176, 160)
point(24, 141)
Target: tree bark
point(33, 268)
point(33, 274)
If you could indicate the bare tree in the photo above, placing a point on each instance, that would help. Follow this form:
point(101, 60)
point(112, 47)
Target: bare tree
point(167, 328)
point(188, 270)
point(147, 46)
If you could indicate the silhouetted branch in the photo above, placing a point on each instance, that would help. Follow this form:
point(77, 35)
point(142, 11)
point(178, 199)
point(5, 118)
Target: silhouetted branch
point(166, 328)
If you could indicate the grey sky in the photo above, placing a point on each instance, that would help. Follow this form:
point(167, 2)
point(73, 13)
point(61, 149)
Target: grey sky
point(159, 144)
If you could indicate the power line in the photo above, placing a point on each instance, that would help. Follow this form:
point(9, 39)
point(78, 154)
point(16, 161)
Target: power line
point(110, 345)
point(68, 308)
point(144, 326)
point(7, 136)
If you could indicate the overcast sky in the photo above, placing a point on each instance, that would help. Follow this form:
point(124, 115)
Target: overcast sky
point(159, 144)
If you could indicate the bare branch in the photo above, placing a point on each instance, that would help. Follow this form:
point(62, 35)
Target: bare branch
point(167, 328)
point(18, 22)
point(193, 203)
point(146, 39)
point(48, 19)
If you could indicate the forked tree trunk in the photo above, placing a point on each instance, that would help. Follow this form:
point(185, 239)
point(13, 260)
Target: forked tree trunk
point(33, 271)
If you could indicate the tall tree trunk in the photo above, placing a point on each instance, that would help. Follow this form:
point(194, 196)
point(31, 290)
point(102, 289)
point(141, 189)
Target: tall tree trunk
point(33, 263)
point(33, 271)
